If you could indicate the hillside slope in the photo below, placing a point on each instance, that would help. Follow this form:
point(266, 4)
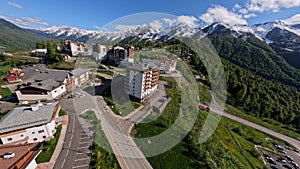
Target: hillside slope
point(14, 38)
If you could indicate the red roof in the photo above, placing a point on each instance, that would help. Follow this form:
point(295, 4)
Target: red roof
point(11, 77)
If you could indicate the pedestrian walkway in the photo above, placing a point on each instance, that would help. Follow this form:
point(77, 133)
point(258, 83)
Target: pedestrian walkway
point(61, 139)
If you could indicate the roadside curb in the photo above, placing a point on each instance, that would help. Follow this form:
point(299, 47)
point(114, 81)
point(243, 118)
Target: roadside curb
point(61, 139)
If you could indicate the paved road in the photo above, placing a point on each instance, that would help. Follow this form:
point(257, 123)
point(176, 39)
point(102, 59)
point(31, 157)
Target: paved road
point(116, 130)
point(127, 153)
point(291, 141)
point(76, 149)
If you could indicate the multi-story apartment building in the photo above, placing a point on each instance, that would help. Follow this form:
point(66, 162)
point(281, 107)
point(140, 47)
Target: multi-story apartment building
point(143, 81)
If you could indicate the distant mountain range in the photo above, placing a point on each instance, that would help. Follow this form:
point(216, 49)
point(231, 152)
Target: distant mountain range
point(258, 48)
point(285, 34)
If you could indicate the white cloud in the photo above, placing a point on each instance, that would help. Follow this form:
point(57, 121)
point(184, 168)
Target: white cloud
point(293, 20)
point(25, 22)
point(15, 5)
point(188, 20)
point(156, 24)
point(169, 21)
point(236, 7)
point(97, 27)
point(246, 16)
point(221, 14)
point(125, 28)
point(243, 11)
point(270, 5)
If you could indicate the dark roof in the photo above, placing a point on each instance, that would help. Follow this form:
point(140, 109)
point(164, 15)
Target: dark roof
point(79, 71)
point(56, 75)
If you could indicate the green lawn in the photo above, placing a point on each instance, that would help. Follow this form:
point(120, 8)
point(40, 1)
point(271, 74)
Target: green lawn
point(2, 114)
point(62, 113)
point(110, 73)
point(101, 158)
point(48, 148)
point(62, 65)
point(5, 92)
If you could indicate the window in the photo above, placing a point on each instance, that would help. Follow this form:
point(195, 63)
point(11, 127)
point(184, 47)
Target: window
point(55, 91)
point(35, 139)
point(41, 131)
point(62, 87)
point(33, 132)
point(9, 139)
point(44, 136)
point(21, 135)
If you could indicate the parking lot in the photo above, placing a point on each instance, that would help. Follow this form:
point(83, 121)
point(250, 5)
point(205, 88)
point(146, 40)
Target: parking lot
point(82, 158)
point(283, 157)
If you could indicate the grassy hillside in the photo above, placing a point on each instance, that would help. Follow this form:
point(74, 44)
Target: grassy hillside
point(14, 38)
point(231, 146)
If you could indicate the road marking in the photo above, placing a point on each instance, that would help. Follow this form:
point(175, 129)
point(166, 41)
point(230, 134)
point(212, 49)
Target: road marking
point(85, 137)
point(85, 142)
point(82, 159)
point(83, 147)
point(67, 152)
point(63, 163)
point(79, 166)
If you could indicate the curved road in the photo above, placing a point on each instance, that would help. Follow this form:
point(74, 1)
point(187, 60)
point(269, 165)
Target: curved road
point(291, 141)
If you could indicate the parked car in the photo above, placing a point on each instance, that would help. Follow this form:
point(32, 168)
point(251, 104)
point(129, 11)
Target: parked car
point(294, 164)
point(287, 166)
point(282, 160)
point(8, 155)
point(274, 167)
point(267, 156)
point(288, 147)
point(289, 158)
point(271, 161)
point(281, 151)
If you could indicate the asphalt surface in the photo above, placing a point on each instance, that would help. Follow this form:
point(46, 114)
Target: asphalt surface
point(76, 149)
point(127, 153)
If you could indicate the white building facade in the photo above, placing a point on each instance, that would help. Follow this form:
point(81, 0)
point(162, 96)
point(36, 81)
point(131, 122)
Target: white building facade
point(29, 124)
point(143, 81)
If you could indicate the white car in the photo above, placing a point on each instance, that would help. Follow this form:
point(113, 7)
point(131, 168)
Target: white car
point(8, 155)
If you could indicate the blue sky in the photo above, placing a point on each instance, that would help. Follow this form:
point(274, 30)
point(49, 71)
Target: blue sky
point(91, 14)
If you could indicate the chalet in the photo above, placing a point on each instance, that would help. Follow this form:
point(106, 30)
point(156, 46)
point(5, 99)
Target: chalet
point(11, 78)
point(48, 85)
point(29, 124)
point(39, 52)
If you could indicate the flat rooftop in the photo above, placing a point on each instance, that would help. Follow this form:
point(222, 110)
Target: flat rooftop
point(24, 117)
point(143, 66)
